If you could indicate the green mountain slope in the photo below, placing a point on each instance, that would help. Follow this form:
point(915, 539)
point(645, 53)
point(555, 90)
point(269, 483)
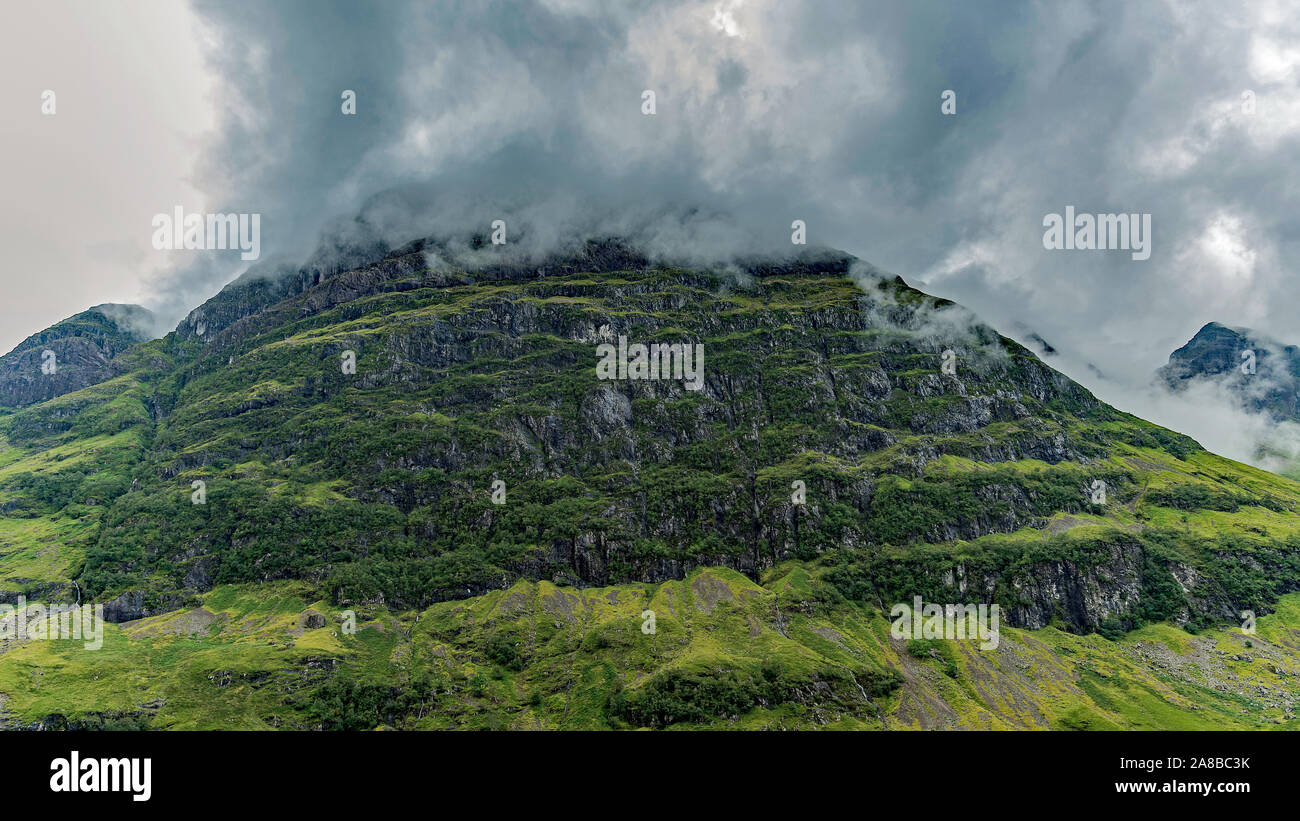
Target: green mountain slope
point(727, 653)
point(234, 488)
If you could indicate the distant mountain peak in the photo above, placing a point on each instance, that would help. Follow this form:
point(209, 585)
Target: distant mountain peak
point(1262, 373)
point(71, 354)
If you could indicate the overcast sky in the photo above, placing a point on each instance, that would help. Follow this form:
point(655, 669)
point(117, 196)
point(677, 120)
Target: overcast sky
point(767, 112)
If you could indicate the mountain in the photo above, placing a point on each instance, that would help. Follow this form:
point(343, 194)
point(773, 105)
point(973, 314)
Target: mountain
point(1261, 373)
point(72, 354)
point(500, 519)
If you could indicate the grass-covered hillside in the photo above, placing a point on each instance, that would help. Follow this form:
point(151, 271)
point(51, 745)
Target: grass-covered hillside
point(726, 653)
point(235, 486)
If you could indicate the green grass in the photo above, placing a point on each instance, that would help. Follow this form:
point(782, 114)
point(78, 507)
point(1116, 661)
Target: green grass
point(581, 655)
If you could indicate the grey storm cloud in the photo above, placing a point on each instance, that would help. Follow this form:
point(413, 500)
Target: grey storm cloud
point(466, 112)
point(768, 112)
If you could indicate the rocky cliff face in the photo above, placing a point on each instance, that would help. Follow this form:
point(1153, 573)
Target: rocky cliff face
point(507, 384)
point(72, 354)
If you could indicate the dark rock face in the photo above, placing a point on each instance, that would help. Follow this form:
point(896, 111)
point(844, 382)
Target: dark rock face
point(470, 375)
point(348, 271)
point(822, 380)
point(134, 604)
point(80, 353)
point(1224, 356)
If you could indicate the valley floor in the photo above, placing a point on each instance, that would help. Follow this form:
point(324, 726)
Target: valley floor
point(725, 653)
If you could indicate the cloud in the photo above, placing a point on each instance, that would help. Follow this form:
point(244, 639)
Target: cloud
point(767, 112)
point(532, 112)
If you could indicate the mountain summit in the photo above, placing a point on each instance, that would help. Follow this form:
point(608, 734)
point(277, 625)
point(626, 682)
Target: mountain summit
point(1263, 374)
